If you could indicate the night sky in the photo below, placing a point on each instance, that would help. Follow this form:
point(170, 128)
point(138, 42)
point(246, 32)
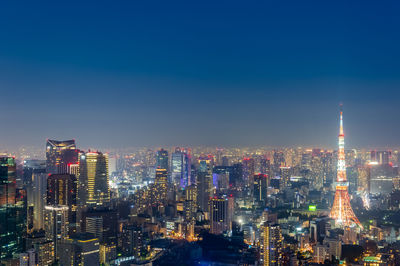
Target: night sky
point(213, 73)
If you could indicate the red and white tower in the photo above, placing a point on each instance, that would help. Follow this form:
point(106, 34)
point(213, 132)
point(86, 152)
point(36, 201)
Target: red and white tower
point(341, 210)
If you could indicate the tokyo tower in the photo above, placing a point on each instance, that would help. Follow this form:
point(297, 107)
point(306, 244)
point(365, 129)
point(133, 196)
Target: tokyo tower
point(341, 210)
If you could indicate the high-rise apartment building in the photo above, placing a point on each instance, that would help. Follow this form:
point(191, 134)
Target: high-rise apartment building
point(271, 248)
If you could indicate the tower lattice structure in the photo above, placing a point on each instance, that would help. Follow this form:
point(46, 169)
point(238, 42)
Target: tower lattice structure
point(341, 210)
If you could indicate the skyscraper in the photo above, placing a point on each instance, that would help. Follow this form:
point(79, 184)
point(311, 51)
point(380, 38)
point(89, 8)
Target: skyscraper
point(271, 244)
point(341, 210)
point(161, 184)
point(93, 179)
point(11, 211)
point(162, 159)
point(204, 183)
point(62, 191)
point(221, 213)
point(180, 168)
point(35, 178)
point(81, 249)
point(260, 188)
point(59, 154)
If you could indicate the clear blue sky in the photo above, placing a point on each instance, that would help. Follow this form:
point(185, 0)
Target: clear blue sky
point(226, 73)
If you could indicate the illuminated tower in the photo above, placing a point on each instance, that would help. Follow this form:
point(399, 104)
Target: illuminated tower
point(93, 179)
point(341, 210)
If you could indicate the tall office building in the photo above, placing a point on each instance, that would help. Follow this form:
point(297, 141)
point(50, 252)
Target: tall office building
point(260, 188)
point(102, 223)
point(279, 160)
point(204, 183)
point(62, 192)
point(221, 214)
point(56, 225)
point(12, 211)
point(162, 159)
point(35, 178)
point(161, 184)
point(285, 173)
point(271, 248)
point(381, 157)
point(59, 154)
point(248, 171)
point(93, 183)
point(80, 249)
point(180, 168)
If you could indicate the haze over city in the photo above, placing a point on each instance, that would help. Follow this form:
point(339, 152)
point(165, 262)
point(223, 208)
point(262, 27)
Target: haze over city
point(211, 74)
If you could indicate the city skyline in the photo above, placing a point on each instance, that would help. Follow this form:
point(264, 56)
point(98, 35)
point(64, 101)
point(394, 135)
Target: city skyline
point(216, 74)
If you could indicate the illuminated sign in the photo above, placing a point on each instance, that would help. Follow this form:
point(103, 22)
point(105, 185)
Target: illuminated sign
point(312, 208)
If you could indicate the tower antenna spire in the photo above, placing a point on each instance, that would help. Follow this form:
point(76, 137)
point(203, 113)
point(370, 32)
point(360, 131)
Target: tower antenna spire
point(341, 210)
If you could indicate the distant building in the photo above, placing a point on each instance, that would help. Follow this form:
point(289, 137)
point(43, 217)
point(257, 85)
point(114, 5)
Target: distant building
point(260, 189)
point(161, 184)
point(162, 159)
point(59, 154)
point(204, 183)
point(181, 168)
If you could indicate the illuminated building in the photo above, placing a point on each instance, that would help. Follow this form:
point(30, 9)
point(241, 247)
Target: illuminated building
point(341, 210)
point(108, 252)
point(132, 240)
point(190, 204)
point(56, 225)
point(35, 178)
point(279, 160)
point(204, 183)
point(73, 169)
point(12, 211)
point(161, 184)
point(271, 244)
point(81, 249)
point(180, 168)
point(102, 223)
point(59, 154)
point(285, 176)
point(62, 191)
point(93, 180)
point(260, 188)
point(27, 258)
point(248, 171)
point(221, 214)
point(162, 159)
point(45, 253)
point(265, 166)
point(381, 157)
